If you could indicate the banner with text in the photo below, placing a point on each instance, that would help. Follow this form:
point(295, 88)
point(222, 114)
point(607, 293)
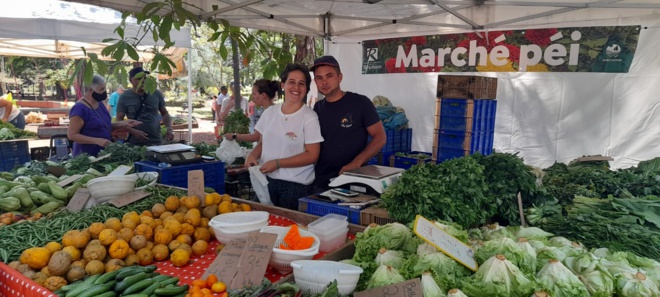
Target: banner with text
point(579, 49)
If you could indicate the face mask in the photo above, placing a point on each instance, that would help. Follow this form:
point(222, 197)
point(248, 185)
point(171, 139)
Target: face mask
point(99, 97)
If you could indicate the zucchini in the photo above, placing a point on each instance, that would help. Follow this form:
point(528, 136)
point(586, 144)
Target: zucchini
point(106, 277)
point(96, 290)
point(57, 191)
point(139, 286)
point(129, 281)
point(173, 291)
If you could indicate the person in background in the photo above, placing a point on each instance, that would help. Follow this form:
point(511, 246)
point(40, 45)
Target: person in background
point(10, 113)
point(90, 125)
point(289, 142)
point(137, 104)
point(214, 105)
point(250, 114)
point(346, 120)
point(114, 99)
point(264, 92)
point(228, 104)
point(218, 109)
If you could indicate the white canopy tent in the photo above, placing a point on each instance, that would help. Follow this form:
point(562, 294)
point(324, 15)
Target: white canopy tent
point(547, 117)
point(58, 29)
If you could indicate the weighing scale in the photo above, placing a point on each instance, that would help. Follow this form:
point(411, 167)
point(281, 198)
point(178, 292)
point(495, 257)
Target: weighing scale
point(175, 154)
point(368, 179)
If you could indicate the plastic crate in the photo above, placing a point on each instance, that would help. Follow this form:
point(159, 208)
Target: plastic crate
point(455, 139)
point(397, 141)
point(13, 153)
point(320, 208)
point(445, 154)
point(40, 153)
point(452, 123)
point(405, 162)
point(455, 107)
point(376, 215)
point(214, 173)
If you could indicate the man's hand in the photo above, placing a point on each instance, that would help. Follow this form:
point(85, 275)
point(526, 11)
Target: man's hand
point(169, 135)
point(250, 161)
point(130, 123)
point(349, 166)
point(139, 135)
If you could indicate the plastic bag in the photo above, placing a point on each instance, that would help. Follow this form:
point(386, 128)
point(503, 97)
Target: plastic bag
point(229, 150)
point(260, 185)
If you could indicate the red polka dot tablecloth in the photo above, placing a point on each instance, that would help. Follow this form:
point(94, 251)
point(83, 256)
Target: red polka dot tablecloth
point(14, 284)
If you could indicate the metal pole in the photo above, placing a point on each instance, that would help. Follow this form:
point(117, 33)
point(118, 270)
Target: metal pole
point(190, 136)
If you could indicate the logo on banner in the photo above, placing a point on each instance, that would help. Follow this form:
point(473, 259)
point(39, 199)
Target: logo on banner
point(372, 54)
point(613, 51)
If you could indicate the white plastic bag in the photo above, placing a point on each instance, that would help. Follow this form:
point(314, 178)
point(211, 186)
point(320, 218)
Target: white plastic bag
point(259, 184)
point(229, 150)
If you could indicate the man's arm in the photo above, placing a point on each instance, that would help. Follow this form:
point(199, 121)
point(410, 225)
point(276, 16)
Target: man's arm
point(167, 120)
point(378, 140)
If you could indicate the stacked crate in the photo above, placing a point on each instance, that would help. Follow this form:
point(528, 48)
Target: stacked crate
point(465, 116)
point(397, 141)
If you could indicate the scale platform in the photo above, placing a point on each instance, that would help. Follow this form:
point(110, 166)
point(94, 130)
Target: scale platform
point(376, 177)
point(175, 154)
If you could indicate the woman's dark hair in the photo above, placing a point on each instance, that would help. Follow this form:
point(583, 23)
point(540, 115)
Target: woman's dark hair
point(299, 67)
point(272, 88)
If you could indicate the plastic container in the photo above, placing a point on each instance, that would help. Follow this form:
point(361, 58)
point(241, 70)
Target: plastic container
point(151, 177)
point(315, 275)
point(226, 236)
point(240, 221)
point(110, 186)
point(281, 259)
point(331, 230)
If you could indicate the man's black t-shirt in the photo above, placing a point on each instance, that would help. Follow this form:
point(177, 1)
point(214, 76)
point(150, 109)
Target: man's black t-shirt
point(344, 126)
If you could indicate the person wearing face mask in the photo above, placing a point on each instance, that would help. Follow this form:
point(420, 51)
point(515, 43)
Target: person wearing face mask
point(90, 125)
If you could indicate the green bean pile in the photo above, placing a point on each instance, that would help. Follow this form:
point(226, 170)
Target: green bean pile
point(16, 238)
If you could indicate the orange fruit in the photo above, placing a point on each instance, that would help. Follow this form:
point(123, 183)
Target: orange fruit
point(199, 283)
point(218, 287)
point(210, 280)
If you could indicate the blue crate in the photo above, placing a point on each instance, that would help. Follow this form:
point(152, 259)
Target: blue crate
point(397, 141)
point(405, 162)
point(320, 208)
point(445, 154)
point(454, 139)
point(214, 173)
point(454, 107)
point(13, 153)
point(453, 123)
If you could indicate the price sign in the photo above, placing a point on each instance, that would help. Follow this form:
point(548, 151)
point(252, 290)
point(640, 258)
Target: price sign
point(129, 198)
point(69, 180)
point(225, 264)
point(254, 260)
point(446, 243)
point(196, 184)
point(409, 288)
point(78, 200)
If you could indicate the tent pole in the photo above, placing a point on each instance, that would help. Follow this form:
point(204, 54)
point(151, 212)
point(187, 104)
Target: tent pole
point(190, 136)
point(326, 34)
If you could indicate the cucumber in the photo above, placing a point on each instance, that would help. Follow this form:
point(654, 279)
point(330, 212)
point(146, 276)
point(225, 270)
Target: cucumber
point(108, 294)
point(97, 290)
point(139, 286)
point(79, 287)
point(173, 291)
point(106, 277)
point(171, 281)
point(150, 268)
point(160, 278)
point(151, 288)
point(128, 271)
point(136, 295)
point(129, 281)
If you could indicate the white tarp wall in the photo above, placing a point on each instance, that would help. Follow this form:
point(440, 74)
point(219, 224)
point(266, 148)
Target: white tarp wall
point(547, 117)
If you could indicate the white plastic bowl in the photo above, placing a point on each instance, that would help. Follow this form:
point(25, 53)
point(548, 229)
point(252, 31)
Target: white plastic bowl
point(225, 236)
point(315, 275)
point(240, 221)
point(110, 186)
point(149, 176)
point(281, 259)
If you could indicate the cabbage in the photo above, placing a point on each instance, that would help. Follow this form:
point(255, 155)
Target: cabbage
point(523, 243)
point(498, 277)
point(637, 284)
point(429, 287)
point(384, 276)
point(573, 250)
point(559, 241)
point(447, 270)
point(392, 236)
point(559, 281)
point(390, 258)
point(592, 273)
point(426, 248)
point(533, 233)
point(456, 293)
point(453, 230)
point(6, 134)
point(547, 253)
point(536, 244)
point(495, 231)
point(512, 251)
point(650, 266)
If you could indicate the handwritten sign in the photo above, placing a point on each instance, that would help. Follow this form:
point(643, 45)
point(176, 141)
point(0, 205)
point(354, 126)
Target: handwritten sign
point(409, 288)
point(78, 200)
point(225, 264)
point(254, 260)
point(121, 170)
point(196, 184)
point(69, 180)
point(129, 198)
point(100, 158)
point(445, 242)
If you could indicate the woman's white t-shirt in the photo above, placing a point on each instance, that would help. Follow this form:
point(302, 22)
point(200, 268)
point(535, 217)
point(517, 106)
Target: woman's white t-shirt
point(14, 113)
point(285, 135)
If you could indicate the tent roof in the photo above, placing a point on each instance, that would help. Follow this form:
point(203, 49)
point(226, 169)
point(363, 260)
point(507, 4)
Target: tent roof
point(57, 29)
point(371, 18)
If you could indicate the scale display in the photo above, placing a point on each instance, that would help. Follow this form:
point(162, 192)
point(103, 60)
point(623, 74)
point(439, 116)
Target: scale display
point(175, 154)
point(368, 177)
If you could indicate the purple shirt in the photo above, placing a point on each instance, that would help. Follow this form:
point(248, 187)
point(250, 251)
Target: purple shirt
point(96, 123)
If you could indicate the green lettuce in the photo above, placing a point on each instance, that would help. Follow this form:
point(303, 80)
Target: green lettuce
point(384, 276)
point(637, 284)
point(532, 233)
point(429, 287)
point(456, 293)
point(547, 253)
point(495, 231)
point(512, 251)
point(448, 272)
point(392, 236)
point(453, 230)
point(390, 258)
point(592, 273)
point(498, 277)
point(559, 281)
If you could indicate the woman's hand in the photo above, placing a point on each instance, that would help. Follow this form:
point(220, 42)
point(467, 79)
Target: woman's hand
point(250, 161)
point(102, 142)
point(269, 167)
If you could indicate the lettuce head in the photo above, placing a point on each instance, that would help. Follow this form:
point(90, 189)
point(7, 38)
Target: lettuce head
point(498, 277)
point(559, 281)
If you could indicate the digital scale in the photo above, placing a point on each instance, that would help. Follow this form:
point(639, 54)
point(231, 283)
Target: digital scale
point(175, 154)
point(370, 179)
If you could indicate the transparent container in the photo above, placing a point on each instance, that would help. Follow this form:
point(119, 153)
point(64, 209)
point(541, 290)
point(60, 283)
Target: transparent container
point(61, 148)
point(331, 229)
